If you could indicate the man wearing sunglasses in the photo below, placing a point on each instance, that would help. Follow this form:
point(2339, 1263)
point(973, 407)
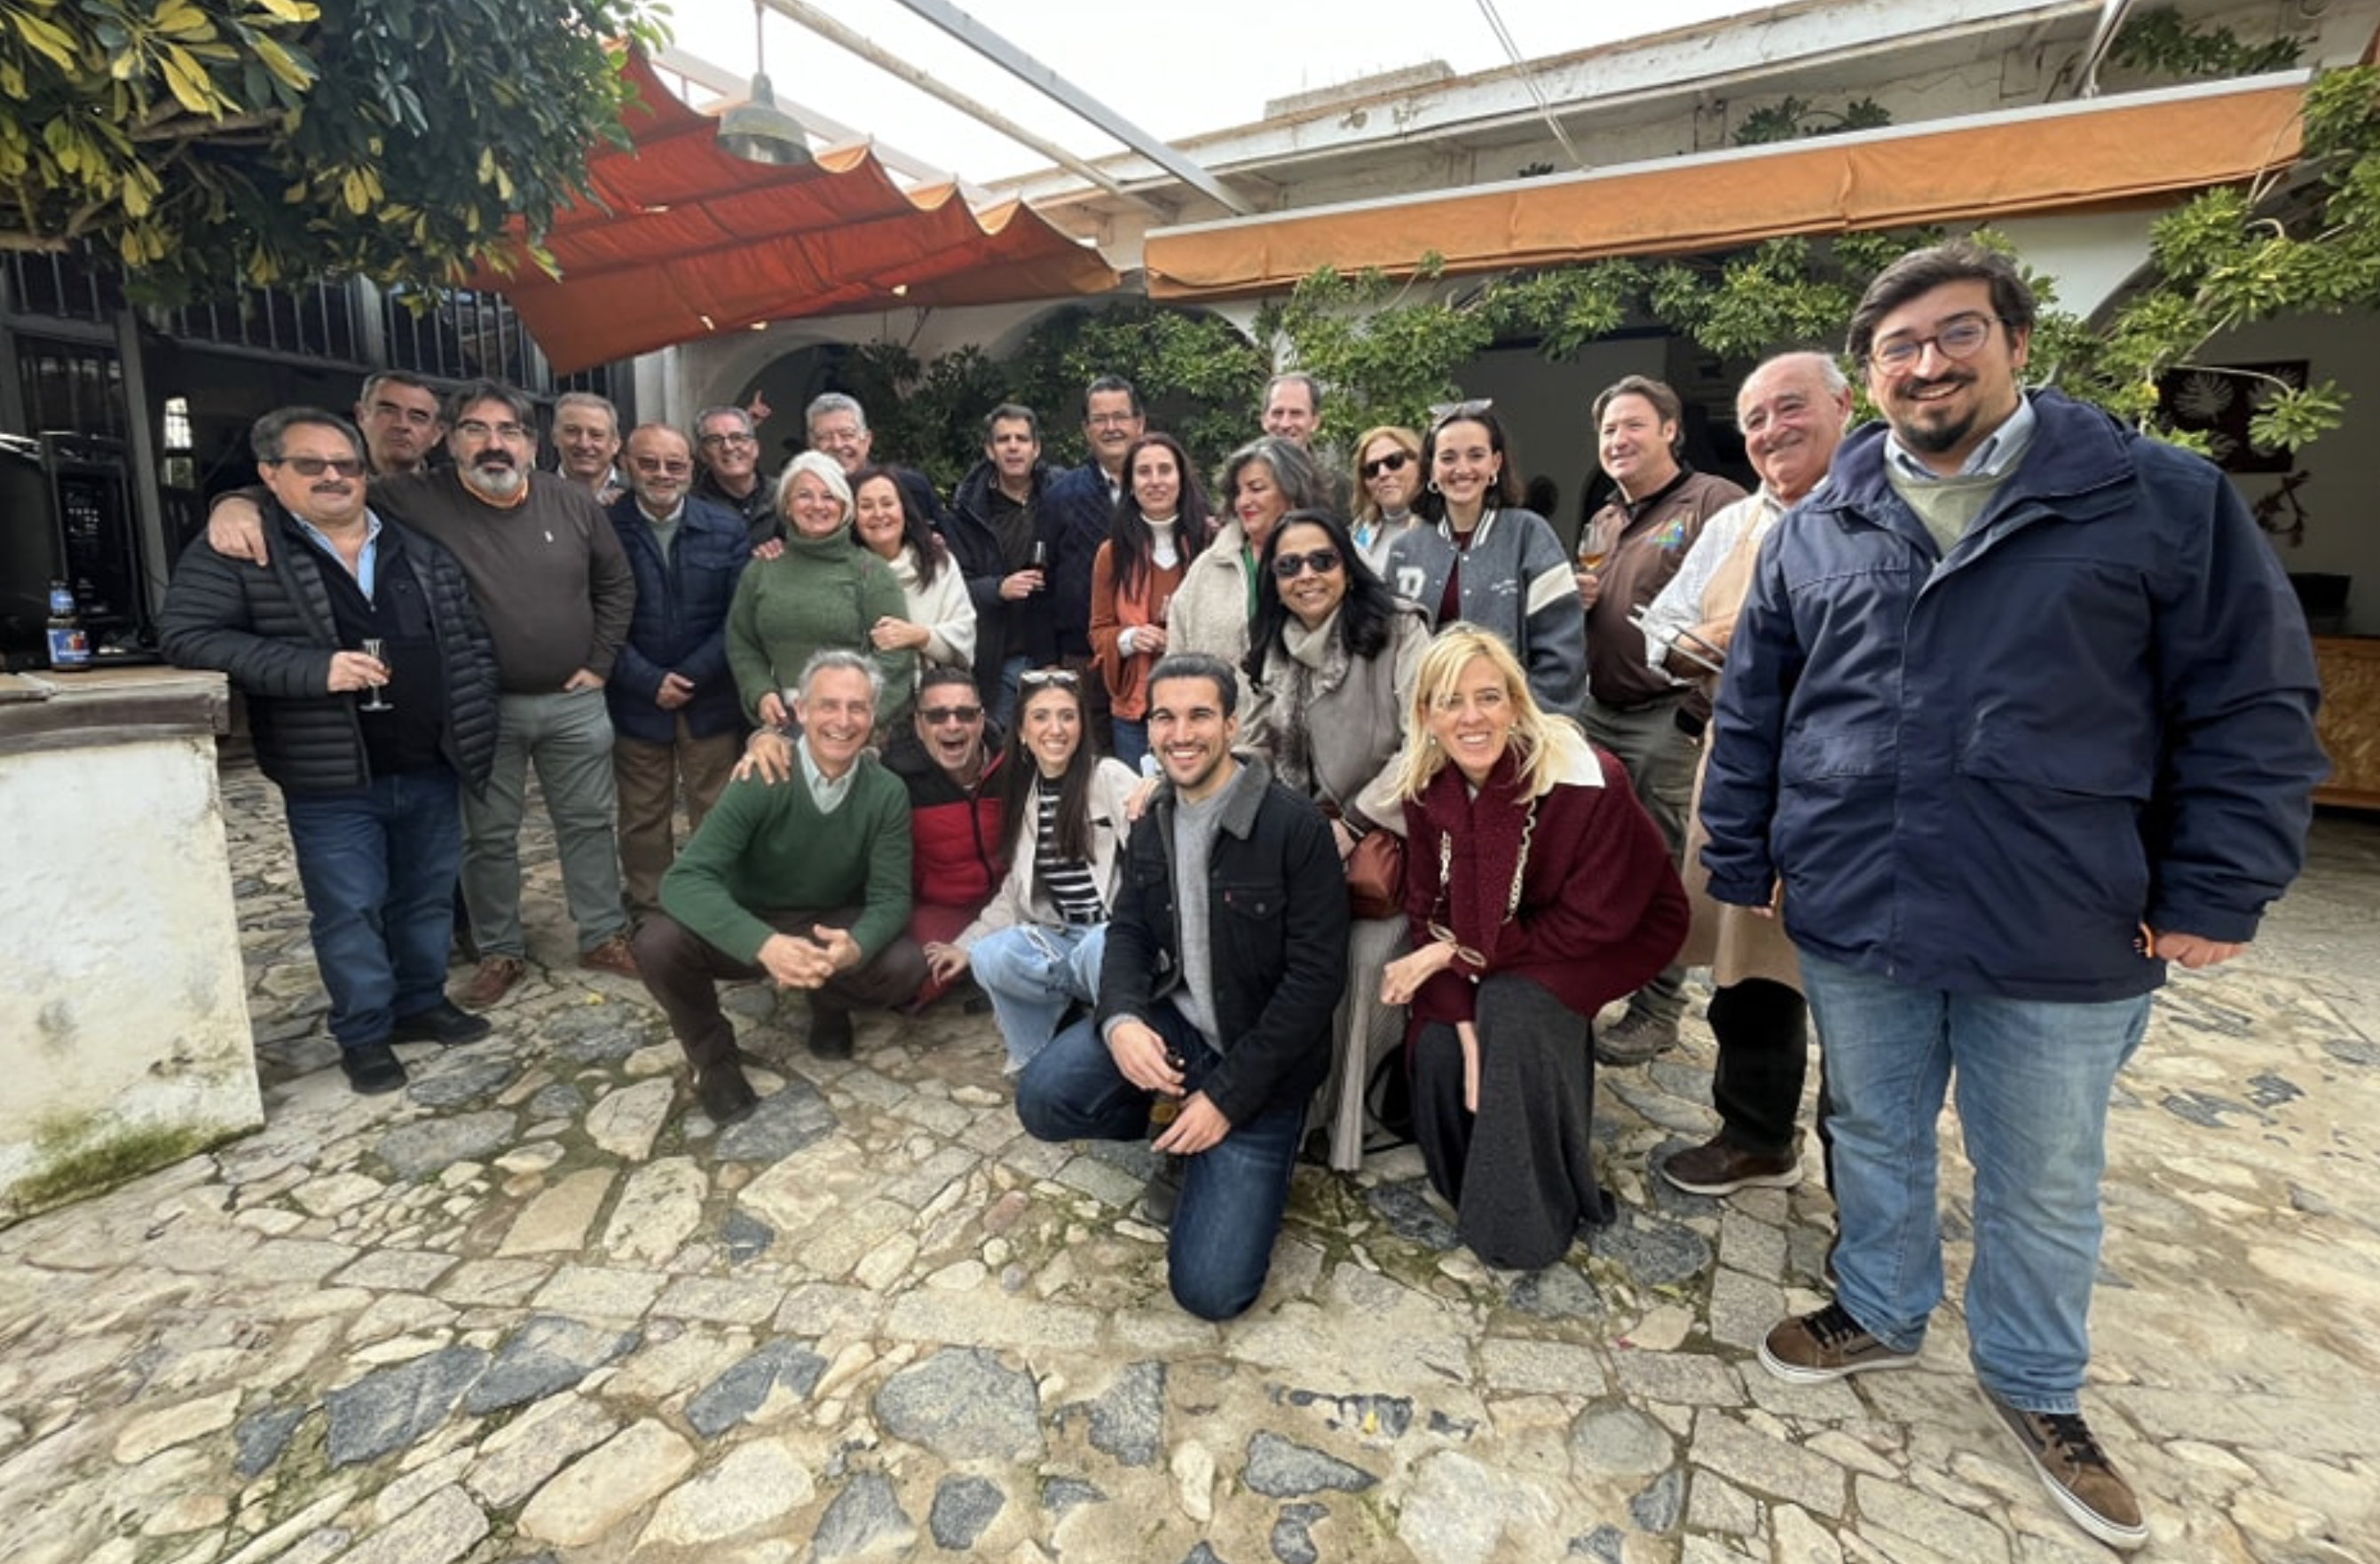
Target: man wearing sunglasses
point(370, 782)
point(548, 576)
point(2019, 710)
point(950, 759)
point(675, 717)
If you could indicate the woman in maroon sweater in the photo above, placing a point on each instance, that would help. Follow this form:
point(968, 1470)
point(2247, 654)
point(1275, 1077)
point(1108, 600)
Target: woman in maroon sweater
point(1539, 890)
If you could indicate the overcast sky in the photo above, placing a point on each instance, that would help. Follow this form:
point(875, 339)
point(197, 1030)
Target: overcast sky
point(1174, 68)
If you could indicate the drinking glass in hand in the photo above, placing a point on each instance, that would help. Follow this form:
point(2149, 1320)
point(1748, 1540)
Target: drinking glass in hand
point(373, 648)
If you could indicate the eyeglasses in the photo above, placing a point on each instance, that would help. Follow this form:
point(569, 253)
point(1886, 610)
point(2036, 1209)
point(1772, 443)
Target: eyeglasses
point(674, 467)
point(480, 429)
point(935, 716)
point(1447, 412)
point(1393, 462)
point(1322, 561)
point(314, 467)
point(713, 442)
point(1958, 338)
point(1034, 679)
point(1110, 419)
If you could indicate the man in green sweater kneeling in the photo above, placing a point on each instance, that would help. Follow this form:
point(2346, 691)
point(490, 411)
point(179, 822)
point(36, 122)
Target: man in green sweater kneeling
point(804, 881)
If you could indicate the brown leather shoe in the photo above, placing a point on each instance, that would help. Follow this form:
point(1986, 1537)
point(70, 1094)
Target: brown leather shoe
point(494, 978)
point(612, 956)
point(1718, 1169)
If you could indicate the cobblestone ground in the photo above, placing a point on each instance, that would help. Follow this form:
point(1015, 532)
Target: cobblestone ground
point(537, 1308)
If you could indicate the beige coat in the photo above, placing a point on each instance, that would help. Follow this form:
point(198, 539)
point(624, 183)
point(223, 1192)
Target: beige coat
point(1736, 942)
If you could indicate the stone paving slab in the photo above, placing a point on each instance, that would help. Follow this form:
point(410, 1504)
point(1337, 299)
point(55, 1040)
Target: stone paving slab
point(537, 1309)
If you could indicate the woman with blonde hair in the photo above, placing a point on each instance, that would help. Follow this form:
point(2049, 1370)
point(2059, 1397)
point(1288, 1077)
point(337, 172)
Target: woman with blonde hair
point(1388, 477)
point(1536, 891)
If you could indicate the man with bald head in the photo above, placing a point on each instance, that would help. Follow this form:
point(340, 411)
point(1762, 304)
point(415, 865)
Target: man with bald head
point(674, 713)
point(1792, 411)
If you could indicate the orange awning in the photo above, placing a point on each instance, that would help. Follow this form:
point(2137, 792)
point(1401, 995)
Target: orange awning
point(688, 241)
point(2102, 153)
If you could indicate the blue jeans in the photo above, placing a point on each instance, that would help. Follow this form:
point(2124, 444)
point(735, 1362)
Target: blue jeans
point(2033, 1082)
point(568, 736)
point(1033, 973)
point(378, 868)
point(1232, 1193)
point(1002, 701)
point(1131, 740)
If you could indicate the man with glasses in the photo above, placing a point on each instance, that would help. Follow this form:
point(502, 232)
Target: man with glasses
point(837, 426)
point(368, 749)
point(949, 758)
point(2020, 709)
point(803, 881)
point(729, 450)
point(1082, 505)
point(675, 714)
point(1651, 722)
point(548, 576)
point(400, 419)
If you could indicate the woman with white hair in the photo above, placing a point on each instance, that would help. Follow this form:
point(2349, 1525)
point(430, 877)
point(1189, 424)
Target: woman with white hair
point(820, 591)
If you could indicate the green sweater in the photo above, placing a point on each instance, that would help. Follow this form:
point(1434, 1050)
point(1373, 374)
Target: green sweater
point(764, 847)
point(820, 593)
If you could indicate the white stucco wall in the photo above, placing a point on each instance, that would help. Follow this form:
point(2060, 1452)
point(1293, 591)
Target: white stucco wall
point(124, 1006)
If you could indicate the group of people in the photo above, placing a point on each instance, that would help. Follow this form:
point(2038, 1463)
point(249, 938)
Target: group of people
point(1959, 729)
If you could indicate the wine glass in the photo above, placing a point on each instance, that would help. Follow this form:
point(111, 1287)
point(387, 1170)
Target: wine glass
point(1595, 546)
point(374, 647)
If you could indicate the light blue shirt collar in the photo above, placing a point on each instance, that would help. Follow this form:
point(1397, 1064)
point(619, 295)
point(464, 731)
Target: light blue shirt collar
point(827, 792)
point(1992, 458)
point(366, 570)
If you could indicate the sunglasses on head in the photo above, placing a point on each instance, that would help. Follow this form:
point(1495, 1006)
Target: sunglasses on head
point(1393, 462)
point(1443, 413)
point(1322, 561)
point(1034, 679)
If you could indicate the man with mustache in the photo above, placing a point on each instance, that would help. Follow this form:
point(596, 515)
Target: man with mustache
point(547, 573)
point(2020, 709)
point(369, 786)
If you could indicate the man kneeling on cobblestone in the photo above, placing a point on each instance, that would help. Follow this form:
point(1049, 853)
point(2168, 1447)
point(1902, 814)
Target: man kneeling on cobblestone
point(1225, 959)
point(804, 881)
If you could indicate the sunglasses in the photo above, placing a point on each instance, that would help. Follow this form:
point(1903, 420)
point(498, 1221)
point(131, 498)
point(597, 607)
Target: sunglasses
point(1393, 462)
point(934, 717)
point(1447, 412)
point(1034, 679)
point(1322, 561)
point(314, 467)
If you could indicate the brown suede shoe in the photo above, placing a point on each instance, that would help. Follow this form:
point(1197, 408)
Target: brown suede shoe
point(496, 977)
point(612, 956)
point(1718, 1169)
point(2076, 1472)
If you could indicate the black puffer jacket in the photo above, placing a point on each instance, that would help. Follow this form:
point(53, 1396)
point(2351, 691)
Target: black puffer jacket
point(270, 628)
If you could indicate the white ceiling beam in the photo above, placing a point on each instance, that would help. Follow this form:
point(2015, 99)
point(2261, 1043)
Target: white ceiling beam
point(1056, 88)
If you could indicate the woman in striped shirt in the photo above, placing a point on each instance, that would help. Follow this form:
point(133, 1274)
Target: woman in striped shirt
point(1034, 949)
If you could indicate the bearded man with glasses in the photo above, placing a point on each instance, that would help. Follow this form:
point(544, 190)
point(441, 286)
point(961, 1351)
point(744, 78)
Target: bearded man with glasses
point(2019, 709)
point(674, 712)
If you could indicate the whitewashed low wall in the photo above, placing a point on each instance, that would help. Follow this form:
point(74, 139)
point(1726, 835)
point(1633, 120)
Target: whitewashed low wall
point(124, 1032)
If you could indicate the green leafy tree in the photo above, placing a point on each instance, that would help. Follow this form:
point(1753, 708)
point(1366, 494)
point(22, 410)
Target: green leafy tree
point(207, 144)
point(1199, 377)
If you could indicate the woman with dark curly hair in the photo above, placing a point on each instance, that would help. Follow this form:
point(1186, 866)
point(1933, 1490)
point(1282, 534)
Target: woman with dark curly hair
point(1332, 668)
